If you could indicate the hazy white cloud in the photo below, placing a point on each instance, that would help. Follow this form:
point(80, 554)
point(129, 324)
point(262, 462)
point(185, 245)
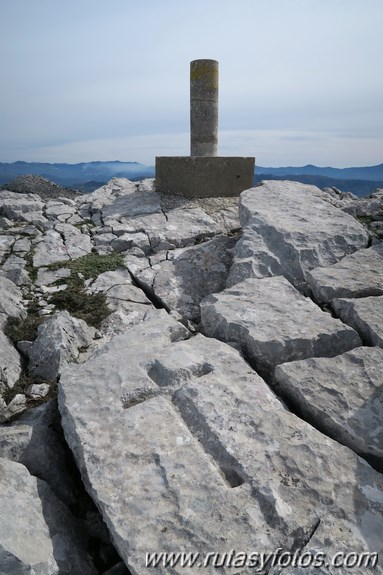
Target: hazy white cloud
point(300, 80)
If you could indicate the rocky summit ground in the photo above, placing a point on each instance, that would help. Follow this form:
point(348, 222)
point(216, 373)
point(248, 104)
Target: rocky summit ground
point(198, 376)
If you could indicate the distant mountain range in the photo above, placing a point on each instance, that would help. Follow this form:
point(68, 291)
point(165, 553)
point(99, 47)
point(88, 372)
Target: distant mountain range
point(90, 175)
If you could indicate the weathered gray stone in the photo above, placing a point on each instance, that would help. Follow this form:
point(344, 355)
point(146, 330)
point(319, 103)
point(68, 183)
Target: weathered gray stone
point(128, 241)
point(189, 275)
point(293, 241)
point(76, 243)
point(49, 248)
point(212, 458)
point(274, 323)
point(10, 366)
point(103, 239)
point(15, 407)
point(14, 269)
point(37, 390)
point(330, 545)
point(37, 532)
point(45, 276)
point(133, 203)
point(22, 246)
point(58, 341)
point(128, 303)
point(17, 206)
point(6, 243)
point(10, 301)
point(365, 315)
point(341, 395)
point(34, 440)
point(357, 275)
point(54, 209)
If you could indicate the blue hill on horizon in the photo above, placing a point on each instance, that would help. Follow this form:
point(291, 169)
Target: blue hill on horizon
point(358, 180)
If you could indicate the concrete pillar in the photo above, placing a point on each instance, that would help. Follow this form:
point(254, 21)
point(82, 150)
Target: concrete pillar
point(203, 107)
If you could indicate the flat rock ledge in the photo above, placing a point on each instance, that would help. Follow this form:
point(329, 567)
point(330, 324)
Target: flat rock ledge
point(365, 315)
point(273, 323)
point(357, 275)
point(183, 446)
point(341, 396)
point(289, 229)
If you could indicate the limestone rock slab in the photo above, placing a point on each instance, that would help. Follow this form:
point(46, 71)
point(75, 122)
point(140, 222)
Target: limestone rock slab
point(189, 274)
point(20, 206)
point(357, 275)
point(34, 441)
point(10, 365)
point(341, 395)
point(49, 248)
point(10, 301)
point(299, 231)
point(37, 532)
point(128, 303)
point(14, 268)
point(58, 341)
point(183, 446)
point(274, 323)
point(365, 315)
point(76, 243)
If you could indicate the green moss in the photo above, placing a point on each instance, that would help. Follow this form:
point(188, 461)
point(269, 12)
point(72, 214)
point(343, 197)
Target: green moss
point(364, 219)
point(22, 329)
point(89, 223)
point(91, 265)
point(92, 308)
point(30, 268)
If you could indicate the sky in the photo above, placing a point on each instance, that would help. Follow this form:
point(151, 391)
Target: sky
point(300, 81)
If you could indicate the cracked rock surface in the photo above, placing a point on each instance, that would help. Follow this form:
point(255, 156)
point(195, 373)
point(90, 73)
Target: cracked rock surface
point(218, 365)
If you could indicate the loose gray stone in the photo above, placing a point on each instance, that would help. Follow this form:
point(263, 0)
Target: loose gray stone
point(221, 461)
point(293, 241)
point(37, 532)
point(341, 395)
point(14, 408)
point(365, 315)
point(58, 341)
point(274, 323)
point(38, 390)
point(357, 275)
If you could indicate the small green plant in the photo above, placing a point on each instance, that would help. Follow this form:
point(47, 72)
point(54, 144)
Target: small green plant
point(91, 265)
point(32, 271)
point(18, 329)
point(364, 219)
point(92, 308)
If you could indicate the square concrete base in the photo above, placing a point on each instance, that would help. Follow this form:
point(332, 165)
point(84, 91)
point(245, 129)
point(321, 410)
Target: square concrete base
point(203, 177)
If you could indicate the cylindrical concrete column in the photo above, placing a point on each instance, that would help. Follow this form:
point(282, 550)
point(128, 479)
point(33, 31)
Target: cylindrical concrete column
point(203, 107)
